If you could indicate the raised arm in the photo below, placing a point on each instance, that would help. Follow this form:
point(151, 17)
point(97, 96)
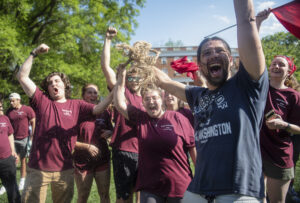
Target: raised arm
point(109, 73)
point(119, 93)
point(101, 106)
point(23, 75)
point(173, 87)
point(249, 44)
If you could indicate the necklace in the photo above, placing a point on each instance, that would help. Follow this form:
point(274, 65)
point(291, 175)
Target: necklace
point(157, 119)
point(156, 123)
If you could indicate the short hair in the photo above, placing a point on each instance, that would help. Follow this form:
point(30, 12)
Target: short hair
point(65, 80)
point(211, 39)
point(83, 89)
point(151, 88)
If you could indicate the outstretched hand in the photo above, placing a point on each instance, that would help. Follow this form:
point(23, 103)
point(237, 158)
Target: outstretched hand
point(111, 32)
point(43, 48)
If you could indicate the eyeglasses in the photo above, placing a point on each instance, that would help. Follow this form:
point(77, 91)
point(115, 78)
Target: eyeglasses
point(133, 79)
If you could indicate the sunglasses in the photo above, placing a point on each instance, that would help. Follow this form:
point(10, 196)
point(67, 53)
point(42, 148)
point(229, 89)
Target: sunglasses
point(133, 79)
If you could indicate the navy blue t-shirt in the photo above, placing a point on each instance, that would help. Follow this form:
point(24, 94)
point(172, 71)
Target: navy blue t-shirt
point(227, 125)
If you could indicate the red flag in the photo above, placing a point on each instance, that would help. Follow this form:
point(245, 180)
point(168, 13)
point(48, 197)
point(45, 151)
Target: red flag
point(289, 17)
point(184, 66)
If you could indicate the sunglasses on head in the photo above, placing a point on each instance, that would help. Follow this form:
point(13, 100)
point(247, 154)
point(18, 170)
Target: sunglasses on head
point(133, 79)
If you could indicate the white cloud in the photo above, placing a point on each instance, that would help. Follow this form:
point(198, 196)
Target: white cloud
point(271, 29)
point(212, 6)
point(264, 5)
point(224, 19)
point(271, 26)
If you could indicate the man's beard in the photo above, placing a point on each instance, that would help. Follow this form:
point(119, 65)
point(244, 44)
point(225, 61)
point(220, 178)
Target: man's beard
point(217, 82)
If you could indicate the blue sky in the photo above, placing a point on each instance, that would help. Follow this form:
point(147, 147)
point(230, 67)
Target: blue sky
point(191, 20)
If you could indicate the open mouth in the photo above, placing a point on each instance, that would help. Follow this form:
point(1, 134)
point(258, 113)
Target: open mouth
point(55, 90)
point(215, 70)
point(152, 108)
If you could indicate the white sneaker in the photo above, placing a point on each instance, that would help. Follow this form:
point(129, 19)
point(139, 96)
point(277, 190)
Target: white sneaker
point(2, 190)
point(22, 183)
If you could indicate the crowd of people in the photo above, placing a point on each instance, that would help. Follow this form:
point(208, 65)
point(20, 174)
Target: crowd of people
point(238, 131)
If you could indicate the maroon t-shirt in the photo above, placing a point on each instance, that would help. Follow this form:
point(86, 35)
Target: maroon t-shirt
point(163, 166)
point(90, 132)
point(276, 146)
point(19, 119)
point(188, 114)
point(6, 129)
point(124, 135)
point(56, 131)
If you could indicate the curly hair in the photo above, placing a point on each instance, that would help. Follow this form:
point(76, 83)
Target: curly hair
point(142, 59)
point(291, 81)
point(65, 80)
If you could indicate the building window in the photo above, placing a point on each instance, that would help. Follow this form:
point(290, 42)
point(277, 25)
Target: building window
point(176, 58)
point(163, 49)
point(176, 48)
point(189, 48)
point(163, 60)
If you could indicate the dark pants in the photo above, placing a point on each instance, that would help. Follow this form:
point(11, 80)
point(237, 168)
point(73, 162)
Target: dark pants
point(147, 197)
point(9, 180)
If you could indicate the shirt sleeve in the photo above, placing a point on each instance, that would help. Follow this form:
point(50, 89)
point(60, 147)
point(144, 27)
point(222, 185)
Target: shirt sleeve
point(294, 116)
point(186, 129)
point(38, 99)
point(253, 88)
point(86, 111)
point(31, 113)
point(191, 93)
point(10, 128)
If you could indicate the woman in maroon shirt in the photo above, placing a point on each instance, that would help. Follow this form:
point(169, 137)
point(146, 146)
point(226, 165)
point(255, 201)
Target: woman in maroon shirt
point(282, 119)
point(172, 103)
point(91, 155)
point(165, 138)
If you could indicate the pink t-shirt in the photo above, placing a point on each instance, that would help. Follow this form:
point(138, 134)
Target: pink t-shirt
point(163, 166)
point(276, 146)
point(124, 135)
point(90, 132)
point(19, 119)
point(57, 126)
point(5, 130)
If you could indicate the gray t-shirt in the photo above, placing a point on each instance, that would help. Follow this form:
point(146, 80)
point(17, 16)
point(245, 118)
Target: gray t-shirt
point(227, 125)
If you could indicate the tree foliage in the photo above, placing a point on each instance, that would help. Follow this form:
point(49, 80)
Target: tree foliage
point(74, 31)
point(282, 44)
point(172, 43)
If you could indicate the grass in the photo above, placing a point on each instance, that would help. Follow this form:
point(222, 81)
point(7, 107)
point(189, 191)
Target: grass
point(94, 197)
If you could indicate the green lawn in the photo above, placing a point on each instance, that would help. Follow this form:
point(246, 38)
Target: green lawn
point(94, 197)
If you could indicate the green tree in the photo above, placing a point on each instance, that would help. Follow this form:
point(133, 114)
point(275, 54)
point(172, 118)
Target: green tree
point(172, 43)
point(282, 44)
point(74, 31)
